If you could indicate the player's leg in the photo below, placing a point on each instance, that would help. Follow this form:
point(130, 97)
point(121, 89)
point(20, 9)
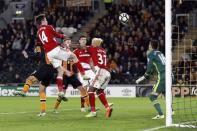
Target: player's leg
point(56, 61)
point(94, 85)
point(84, 98)
point(75, 82)
point(86, 84)
point(92, 102)
point(44, 75)
point(158, 88)
point(42, 93)
point(104, 80)
point(59, 99)
point(29, 81)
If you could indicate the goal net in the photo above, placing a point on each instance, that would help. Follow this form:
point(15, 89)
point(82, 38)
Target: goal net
point(184, 87)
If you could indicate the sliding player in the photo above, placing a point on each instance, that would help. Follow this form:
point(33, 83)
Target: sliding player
point(55, 54)
point(102, 78)
point(156, 61)
point(71, 77)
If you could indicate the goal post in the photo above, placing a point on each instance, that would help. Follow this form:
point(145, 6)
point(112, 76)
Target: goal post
point(168, 68)
point(181, 58)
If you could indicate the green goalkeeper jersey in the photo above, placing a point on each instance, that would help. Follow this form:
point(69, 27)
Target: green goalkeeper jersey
point(155, 62)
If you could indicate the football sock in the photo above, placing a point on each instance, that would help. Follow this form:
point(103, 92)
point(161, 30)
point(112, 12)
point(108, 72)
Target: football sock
point(43, 101)
point(92, 101)
point(57, 103)
point(102, 98)
point(27, 85)
point(60, 83)
point(82, 102)
point(156, 104)
point(84, 95)
point(80, 68)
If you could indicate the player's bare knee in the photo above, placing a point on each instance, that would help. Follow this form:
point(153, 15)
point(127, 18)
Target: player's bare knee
point(91, 89)
point(60, 71)
point(32, 78)
point(99, 91)
point(42, 88)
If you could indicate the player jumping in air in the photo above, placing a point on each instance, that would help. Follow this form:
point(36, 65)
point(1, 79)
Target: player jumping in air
point(46, 35)
point(102, 78)
point(155, 61)
point(71, 77)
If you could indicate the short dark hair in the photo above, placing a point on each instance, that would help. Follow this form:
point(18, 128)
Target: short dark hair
point(82, 36)
point(39, 18)
point(154, 44)
point(67, 38)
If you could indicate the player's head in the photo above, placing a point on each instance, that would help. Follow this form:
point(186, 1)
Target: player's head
point(96, 42)
point(82, 41)
point(66, 43)
point(153, 45)
point(41, 20)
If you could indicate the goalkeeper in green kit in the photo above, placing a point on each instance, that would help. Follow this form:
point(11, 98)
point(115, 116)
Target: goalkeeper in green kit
point(155, 62)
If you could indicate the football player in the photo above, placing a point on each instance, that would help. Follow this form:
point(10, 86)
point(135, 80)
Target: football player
point(156, 62)
point(55, 54)
point(71, 77)
point(85, 59)
point(101, 79)
point(43, 75)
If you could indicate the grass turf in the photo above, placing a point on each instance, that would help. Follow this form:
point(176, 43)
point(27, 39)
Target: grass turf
point(130, 114)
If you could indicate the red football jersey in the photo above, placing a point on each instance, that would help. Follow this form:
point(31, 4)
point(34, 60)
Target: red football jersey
point(98, 55)
point(84, 57)
point(46, 34)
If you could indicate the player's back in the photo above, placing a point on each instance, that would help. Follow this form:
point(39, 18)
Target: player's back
point(99, 56)
point(158, 60)
point(46, 37)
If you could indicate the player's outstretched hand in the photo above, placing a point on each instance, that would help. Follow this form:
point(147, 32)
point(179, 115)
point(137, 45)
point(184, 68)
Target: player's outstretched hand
point(139, 80)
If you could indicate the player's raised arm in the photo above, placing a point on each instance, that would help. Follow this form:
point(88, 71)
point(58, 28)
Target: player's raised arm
point(56, 34)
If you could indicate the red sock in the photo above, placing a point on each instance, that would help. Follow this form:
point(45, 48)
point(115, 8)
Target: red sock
point(80, 68)
point(92, 101)
point(60, 83)
point(102, 97)
point(82, 102)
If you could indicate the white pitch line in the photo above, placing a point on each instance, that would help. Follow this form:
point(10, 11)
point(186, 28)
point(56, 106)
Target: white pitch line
point(24, 112)
point(154, 129)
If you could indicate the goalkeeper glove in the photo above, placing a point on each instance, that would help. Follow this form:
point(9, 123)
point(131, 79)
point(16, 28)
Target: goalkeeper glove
point(140, 79)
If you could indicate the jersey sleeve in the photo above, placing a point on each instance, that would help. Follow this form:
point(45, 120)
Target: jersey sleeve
point(56, 34)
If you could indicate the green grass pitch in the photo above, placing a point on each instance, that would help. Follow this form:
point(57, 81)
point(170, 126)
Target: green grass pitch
point(130, 114)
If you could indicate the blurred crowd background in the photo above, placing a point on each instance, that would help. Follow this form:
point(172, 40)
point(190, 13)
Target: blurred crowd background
point(126, 45)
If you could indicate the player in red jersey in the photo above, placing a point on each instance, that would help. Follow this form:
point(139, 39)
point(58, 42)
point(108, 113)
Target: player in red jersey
point(71, 77)
point(102, 78)
point(46, 35)
point(85, 59)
